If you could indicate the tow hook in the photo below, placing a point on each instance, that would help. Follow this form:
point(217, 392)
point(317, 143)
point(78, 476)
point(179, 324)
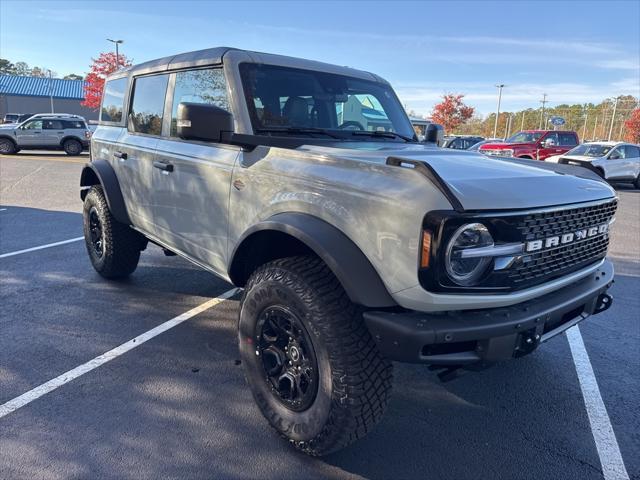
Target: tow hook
point(603, 303)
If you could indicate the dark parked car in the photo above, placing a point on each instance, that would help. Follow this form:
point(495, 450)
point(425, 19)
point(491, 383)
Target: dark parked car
point(460, 142)
point(16, 117)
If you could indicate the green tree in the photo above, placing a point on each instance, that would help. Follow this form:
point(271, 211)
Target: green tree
point(6, 67)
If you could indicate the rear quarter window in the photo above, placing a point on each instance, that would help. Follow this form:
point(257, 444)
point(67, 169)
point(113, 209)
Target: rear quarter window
point(113, 100)
point(75, 124)
point(568, 140)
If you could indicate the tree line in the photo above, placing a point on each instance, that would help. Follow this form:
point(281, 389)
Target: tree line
point(592, 121)
point(23, 69)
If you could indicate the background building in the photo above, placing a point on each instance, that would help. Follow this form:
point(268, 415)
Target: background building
point(19, 94)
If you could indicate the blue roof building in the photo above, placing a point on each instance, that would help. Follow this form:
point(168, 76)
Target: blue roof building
point(19, 94)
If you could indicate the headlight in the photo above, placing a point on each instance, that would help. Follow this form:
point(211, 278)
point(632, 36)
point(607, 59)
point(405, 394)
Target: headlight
point(467, 271)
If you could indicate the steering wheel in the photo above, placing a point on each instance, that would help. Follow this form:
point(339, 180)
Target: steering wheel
point(351, 125)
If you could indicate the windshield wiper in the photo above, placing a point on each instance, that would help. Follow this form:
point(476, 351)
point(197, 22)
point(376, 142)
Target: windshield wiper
point(303, 130)
point(380, 133)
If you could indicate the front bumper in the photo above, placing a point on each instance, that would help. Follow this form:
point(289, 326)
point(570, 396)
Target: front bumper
point(459, 338)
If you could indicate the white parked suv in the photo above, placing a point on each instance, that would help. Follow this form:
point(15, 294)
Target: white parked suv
point(46, 131)
point(304, 184)
point(614, 161)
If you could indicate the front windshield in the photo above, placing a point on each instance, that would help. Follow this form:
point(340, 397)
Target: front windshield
point(284, 100)
point(525, 137)
point(590, 150)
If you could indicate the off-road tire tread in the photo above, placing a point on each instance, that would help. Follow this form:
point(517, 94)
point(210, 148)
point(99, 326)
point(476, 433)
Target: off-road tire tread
point(361, 376)
point(122, 244)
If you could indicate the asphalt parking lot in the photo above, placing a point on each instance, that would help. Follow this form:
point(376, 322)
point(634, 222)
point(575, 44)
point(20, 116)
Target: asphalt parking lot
point(177, 405)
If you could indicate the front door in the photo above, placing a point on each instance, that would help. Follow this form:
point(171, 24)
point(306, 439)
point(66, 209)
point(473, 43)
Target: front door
point(549, 145)
point(191, 179)
point(30, 134)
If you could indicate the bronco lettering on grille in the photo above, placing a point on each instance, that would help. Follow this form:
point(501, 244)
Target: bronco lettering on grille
point(566, 238)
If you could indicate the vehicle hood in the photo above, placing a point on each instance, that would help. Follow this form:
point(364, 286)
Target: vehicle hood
point(484, 183)
point(580, 158)
point(499, 146)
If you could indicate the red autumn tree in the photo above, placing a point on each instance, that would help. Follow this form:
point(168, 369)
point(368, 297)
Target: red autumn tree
point(451, 112)
point(102, 66)
point(632, 127)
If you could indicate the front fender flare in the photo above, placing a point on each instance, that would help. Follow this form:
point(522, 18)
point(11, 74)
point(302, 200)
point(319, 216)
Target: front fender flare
point(344, 258)
point(100, 172)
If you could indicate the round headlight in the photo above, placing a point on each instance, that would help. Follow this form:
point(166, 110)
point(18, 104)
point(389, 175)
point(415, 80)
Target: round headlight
point(466, 270)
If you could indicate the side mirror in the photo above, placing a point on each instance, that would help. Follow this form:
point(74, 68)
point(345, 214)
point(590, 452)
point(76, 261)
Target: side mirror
point(434, 134)
point(199, 121)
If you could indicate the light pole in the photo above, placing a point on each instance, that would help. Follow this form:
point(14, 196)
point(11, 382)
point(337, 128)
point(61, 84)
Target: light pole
point(543, 102)
point(613, 118)
point(522, 123)
point(50, 91)
point(495, 125)
point(116, 42)
point(586, 117)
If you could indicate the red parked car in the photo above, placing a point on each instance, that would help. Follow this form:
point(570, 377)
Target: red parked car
point(534, 144)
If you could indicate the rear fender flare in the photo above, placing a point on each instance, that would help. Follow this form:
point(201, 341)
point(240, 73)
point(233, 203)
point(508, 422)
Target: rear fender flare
point(99, 172)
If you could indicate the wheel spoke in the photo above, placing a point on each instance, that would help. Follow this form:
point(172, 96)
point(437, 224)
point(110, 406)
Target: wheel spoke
point(288, 358)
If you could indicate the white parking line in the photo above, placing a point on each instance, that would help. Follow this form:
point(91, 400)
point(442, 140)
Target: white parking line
point(48, 245)
point(2, 209)
point(606, 443)
point(51, 385)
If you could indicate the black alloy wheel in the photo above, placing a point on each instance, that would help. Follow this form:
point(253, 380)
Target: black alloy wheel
point(288, 358)
point(96, 236)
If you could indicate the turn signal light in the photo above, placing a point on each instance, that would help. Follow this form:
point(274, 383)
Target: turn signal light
point(425, 253)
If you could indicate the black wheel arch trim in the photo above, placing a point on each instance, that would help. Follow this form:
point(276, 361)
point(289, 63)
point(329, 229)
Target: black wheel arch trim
point(100, 172)
point(344, 258)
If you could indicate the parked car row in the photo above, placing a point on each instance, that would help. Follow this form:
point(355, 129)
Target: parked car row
point(46, 131)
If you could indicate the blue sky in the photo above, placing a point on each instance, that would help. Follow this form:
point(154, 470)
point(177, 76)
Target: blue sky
point(575, 51)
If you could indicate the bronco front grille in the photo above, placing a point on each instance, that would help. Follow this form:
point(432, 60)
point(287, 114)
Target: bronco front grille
point(537, 267)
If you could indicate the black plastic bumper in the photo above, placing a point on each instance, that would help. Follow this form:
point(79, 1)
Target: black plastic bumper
point(487, 336)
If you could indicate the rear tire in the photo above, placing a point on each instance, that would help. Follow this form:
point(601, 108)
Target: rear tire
point(72, 147)
point(7, 147)
point(320, 382)
point(113, 247)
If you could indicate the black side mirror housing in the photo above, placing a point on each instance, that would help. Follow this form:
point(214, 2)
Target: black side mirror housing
point(199, 121)
point(434, 134)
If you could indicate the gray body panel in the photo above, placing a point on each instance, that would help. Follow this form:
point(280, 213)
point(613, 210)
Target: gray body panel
point(216, 193)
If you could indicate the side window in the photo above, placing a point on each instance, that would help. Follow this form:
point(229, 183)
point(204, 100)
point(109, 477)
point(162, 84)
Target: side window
point(617, 153)
point(52, 125)
point(74, 124)
point(147, 106)
point(567, 139)
point(35, 125)
point(113, 100)
point(631, 151)
point(552, 138)
point(199, 86)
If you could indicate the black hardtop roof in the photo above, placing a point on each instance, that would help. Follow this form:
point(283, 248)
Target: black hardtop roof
point(208, 56)
point(214, 56)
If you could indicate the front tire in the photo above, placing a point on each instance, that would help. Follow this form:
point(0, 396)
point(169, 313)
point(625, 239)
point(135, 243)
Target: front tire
point(7, 147)
point(637, 183)
point(72, 147)
point(313, 368)
point(113, 247)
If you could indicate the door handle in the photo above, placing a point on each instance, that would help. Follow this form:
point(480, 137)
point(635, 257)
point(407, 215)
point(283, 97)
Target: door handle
point(165, 167)
point(120, 155)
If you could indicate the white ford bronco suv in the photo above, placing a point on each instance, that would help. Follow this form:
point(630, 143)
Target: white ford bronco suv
point(304, 184)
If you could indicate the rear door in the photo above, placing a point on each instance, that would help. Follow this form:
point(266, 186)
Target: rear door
point(192, 179)
point(52, 132)
point(135, 150)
